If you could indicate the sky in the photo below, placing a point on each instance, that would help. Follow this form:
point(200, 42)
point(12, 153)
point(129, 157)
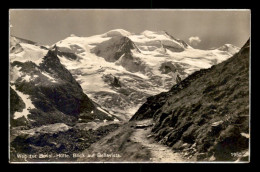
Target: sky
point(203, 29)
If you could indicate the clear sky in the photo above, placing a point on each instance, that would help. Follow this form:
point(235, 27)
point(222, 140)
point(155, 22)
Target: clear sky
point(206, 29)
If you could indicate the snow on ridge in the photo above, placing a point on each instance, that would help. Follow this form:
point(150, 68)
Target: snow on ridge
point(49, 77)
point(147, 32)
point(150, 39)
point(117, 32)
point(30, 52)
point(104, 111)
point(28, 104)
point(84, 43)
point(228, 48)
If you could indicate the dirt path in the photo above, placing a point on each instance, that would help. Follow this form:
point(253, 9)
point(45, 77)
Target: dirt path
point(159, 152)
point(132, 142)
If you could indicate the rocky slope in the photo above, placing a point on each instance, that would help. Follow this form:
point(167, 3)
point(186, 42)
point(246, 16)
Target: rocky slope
point(43, 91)
point(144, 64)
point(56, 143)
point(206, 116)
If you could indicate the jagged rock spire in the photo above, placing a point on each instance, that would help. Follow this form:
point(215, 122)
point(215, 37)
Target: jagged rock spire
point(55, 50)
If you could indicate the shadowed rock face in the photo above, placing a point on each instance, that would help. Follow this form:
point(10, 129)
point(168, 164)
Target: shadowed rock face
point(167, 67)
point(207, 114)
point(118, 50)
point(58, 100)
point(112, 49)
point(173, 49)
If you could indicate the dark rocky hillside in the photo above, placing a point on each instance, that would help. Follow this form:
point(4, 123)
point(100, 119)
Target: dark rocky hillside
point(59, 100)
point(206, 116)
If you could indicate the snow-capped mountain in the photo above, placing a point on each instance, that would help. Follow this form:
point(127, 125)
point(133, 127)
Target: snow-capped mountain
point(43, 91)
point(119, 69)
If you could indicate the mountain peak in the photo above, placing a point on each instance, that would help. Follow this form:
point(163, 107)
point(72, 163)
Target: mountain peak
point(147, 32)
point(229, 48)
point(117, 32)
point(73, 35)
